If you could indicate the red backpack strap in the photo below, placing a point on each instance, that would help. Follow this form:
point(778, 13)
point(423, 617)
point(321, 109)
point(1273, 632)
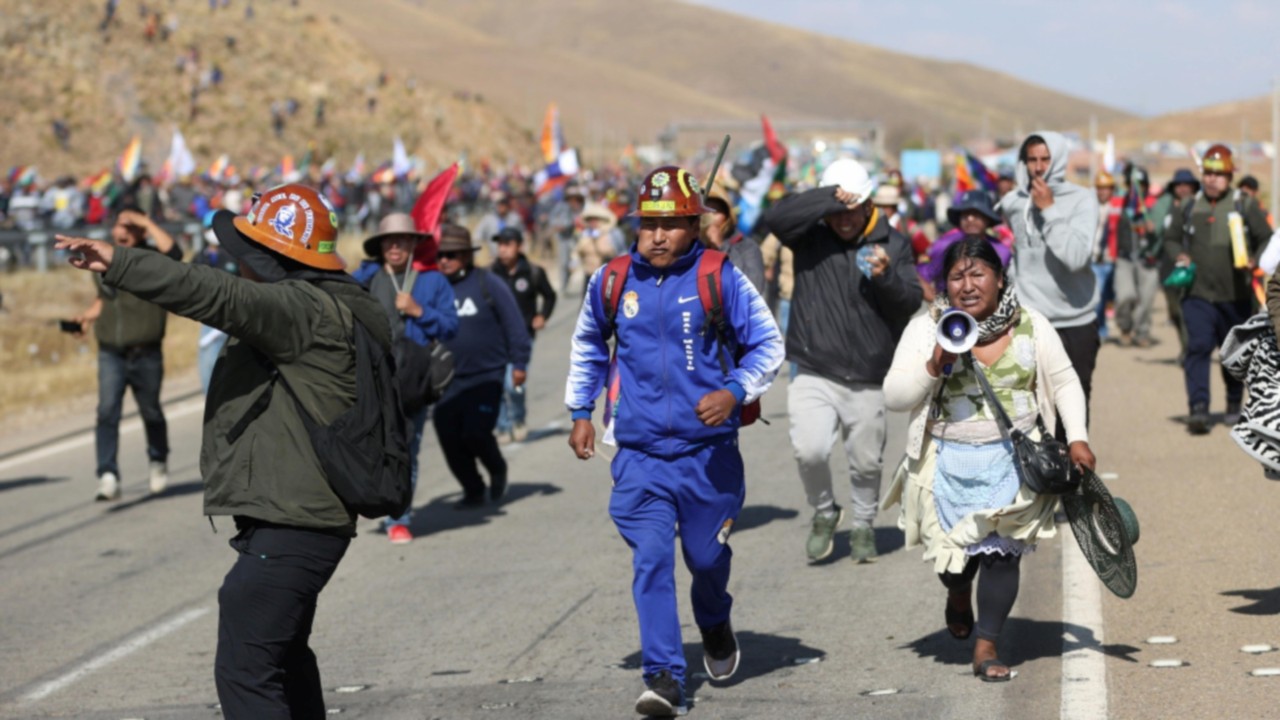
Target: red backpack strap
point(711, 293)
point(611, 284)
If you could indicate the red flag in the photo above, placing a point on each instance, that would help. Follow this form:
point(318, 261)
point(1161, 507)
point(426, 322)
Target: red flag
point(777, 150)
point(426, 217)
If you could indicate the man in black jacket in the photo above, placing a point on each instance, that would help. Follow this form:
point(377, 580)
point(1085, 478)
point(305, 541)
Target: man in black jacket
point(855, 289)
point(536, 298)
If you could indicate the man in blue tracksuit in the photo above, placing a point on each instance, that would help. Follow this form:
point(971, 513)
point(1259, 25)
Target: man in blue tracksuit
point(675, 411)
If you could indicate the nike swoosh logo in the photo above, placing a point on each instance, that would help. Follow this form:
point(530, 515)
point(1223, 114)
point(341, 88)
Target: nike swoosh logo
point(684, 300)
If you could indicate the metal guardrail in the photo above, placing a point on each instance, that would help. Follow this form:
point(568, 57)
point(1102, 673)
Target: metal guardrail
point(33, 248)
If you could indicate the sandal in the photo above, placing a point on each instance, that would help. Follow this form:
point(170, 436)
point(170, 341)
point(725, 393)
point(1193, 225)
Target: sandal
point(959, 622)
point(981, 671)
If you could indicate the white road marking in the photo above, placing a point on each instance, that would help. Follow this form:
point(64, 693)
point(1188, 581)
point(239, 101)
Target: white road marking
point(116, 653)
point(1084, 669)
point(86, 437)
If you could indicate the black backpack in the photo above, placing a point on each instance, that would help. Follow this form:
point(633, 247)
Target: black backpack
point(424, 373)
point(364, 452)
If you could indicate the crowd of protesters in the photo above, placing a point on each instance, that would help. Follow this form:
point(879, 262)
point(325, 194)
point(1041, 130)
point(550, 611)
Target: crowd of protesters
point(856, 266)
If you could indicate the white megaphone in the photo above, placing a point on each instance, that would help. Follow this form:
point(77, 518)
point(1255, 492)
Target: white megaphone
point(957, 331)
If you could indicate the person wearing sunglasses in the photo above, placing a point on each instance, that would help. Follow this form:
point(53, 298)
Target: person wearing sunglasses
point(491, 335)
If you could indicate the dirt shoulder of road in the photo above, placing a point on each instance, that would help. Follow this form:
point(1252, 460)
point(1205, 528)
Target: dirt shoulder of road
point(50, 378)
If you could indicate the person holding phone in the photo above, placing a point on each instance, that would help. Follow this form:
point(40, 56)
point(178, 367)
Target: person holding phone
point(1053, 223)
point(129, 331)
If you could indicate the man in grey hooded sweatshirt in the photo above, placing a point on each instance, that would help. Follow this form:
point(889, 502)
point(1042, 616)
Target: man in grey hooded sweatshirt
point(1053, 223)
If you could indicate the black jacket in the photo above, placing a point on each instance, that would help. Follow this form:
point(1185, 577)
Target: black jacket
point(528, 282)
point(843, 326)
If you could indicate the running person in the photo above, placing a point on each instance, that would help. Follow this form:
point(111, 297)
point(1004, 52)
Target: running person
point(678, 468)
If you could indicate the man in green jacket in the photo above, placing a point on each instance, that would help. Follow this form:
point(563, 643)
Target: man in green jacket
point(130, 332)
point(292, 311)
point(1220, 297)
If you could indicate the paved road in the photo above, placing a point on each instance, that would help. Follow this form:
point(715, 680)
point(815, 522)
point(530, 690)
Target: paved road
point(524, 611)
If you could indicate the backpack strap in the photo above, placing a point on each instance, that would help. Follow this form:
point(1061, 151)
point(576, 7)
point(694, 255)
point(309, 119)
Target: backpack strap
point(611, 284)
point(710, 292)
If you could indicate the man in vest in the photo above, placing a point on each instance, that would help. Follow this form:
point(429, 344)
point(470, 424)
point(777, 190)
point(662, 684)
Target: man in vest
point(1219, 299)
point(130, 331)
point(674, 415)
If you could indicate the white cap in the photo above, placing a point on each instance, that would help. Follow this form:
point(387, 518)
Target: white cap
point(850, 176)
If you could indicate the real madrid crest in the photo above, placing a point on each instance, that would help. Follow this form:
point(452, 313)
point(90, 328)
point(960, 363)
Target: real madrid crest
point(630, 304)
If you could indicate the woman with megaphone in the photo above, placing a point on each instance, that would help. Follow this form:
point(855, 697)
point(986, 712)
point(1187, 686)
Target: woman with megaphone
point(962, 496)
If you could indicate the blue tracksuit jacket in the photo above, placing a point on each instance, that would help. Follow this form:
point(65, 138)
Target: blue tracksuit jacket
point(666, 362)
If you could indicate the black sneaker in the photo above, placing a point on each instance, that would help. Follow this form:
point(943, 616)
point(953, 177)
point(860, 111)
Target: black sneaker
point(663, 698)
point(1198, 423)
point(497, 487)
point(1232, 415)
point(720, 652)
point(470, 502)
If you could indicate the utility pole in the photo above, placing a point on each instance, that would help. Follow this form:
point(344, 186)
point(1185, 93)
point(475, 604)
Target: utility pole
point(1275, 145)
point(1244, 146)
point(1093, 149)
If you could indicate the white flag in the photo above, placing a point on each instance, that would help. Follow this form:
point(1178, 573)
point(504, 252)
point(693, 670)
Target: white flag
point(400, 164)
point(181, 163)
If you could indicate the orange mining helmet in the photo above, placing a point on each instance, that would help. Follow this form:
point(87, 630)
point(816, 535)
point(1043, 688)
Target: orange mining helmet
point(1104, 180)
point(1218, 159)
point(670, 191)
point(297, 222)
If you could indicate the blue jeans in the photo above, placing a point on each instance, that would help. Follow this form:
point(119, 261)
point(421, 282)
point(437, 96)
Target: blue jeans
point(512, 412)
point(207, 358)
point(1207, 326)
point(141, 369)
point(784, 318)
point(1106, 292)
point(419, 421)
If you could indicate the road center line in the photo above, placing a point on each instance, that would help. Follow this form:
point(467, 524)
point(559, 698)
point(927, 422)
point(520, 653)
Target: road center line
point(1084, 669)
point(116, 653)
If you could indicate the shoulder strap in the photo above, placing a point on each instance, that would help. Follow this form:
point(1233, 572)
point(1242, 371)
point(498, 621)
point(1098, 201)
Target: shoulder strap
point(711, 294)
point(611, 284)
point(1005, 423)
point(482, 278)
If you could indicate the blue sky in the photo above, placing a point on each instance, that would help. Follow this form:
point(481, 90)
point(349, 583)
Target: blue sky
point(1145, 57)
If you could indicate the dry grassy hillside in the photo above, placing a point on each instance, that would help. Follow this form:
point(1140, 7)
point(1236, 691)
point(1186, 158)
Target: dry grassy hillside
point(108, 86)
point(1215, 122)
point(621, 71)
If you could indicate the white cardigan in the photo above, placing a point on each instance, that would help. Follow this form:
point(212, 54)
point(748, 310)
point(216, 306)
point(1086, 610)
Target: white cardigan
point(908, 386)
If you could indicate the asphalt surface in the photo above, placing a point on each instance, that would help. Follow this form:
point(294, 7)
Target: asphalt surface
point(108, 611)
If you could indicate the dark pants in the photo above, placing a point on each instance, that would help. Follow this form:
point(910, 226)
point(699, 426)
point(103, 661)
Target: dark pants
point(141, 369)
point(464, 420)
point(1207, 326)
point(997, 589)
point(1081, 343)
point(264, 668)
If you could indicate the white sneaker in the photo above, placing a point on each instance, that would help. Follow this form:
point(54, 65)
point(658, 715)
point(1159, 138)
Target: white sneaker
point(108, 487)
point(520, 432)
point(159, 476)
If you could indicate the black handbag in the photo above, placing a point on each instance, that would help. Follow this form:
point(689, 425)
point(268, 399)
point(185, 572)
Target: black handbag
point(1044, 466)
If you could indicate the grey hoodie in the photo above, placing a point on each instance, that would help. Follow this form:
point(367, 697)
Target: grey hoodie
point(1052, 249)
